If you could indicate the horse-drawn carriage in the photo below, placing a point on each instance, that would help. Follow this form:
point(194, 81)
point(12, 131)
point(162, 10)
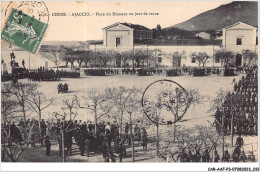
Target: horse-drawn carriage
point(63, 88)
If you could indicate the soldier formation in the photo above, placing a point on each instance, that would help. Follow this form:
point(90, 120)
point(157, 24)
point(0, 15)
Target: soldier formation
point(241, 106)
point(50, 75)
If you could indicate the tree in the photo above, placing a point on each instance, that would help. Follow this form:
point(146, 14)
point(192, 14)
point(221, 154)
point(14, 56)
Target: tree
point(8, 108)
point(70, 53)
point(111, 54)
point(51, 53)
point(121, 100)
point(248, 56)
point(68, 129)
point(198, 138)
point(70, 104)
point(87, 57)
point(225, 56)
point(101, 58)
point(21, 93)
point(80, 56)
point(155, 54)
point(38, 103)
point(140, 57)
point(216, 102)
point(126, 55)
point(176, 58)
point(14, 152)
point(200, 58)
point(15, 103)
point(94, 101)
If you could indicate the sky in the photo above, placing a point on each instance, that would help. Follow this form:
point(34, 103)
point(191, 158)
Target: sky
point(82, 28)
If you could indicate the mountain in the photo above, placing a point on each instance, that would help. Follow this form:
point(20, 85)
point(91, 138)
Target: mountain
point(224, 15)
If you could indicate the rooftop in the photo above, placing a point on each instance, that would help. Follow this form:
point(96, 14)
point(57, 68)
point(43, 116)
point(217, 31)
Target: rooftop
point(135, 26)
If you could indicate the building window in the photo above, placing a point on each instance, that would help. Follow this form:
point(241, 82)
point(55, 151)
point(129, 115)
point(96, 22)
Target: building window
point(193, 60)
point(239, 41)
point(117, 42)
point(256, 40)
point(217, 60)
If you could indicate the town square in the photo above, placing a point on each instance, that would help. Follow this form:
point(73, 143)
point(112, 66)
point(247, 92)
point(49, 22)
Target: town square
point(167, 94)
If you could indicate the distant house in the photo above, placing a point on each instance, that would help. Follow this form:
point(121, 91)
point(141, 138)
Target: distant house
point(125, 34)
point(203, 35)
point(238, 37)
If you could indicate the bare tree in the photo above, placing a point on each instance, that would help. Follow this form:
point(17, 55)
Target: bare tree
point(8, 107)
point(196, 139)
point(38, 103)
point(70, 104)
point(121, 99)
point(94, 101)
point(21, 93)
point(51, 53)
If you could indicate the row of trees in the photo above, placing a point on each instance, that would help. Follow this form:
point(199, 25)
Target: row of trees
point(136, 57)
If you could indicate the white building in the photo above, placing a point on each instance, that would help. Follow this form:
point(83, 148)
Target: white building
point(122, 37)
point(125, 34)
point(238, 37)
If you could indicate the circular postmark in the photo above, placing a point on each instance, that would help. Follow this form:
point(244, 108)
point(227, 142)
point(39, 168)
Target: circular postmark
point(165, 102)
point(36, 9)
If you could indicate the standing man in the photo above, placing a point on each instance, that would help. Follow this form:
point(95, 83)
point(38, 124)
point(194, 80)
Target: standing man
point(48, 146)
point(23, 63)
point(43, 130)
point(239, 141)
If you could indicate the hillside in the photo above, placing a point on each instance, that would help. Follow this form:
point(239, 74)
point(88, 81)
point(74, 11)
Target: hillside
point(225, 15)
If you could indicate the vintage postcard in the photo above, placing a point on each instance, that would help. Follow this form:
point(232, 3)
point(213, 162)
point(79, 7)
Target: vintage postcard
point(144, 82)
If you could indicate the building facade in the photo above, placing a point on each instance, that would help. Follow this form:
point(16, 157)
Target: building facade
point(122, 37)
point(125, 34)
point(238, 37)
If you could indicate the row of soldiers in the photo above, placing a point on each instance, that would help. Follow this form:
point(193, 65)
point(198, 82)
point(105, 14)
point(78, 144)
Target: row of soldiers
point(50, 75)
point(241, 106)
point(173, 72)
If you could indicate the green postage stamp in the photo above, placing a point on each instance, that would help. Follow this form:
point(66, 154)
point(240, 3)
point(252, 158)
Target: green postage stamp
point(24, 31)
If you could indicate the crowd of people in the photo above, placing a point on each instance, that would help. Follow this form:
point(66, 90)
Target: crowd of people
point(173, 72)
point(103, 139)
point(241, 106)
point(238, 155)
point(42, 74)
point(123, 71)
point(99, 72)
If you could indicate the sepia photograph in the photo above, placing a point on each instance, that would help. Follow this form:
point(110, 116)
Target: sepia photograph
point(130, 82)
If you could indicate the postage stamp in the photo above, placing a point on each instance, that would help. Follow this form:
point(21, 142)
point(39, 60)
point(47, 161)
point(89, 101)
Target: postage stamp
point(24, 31)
